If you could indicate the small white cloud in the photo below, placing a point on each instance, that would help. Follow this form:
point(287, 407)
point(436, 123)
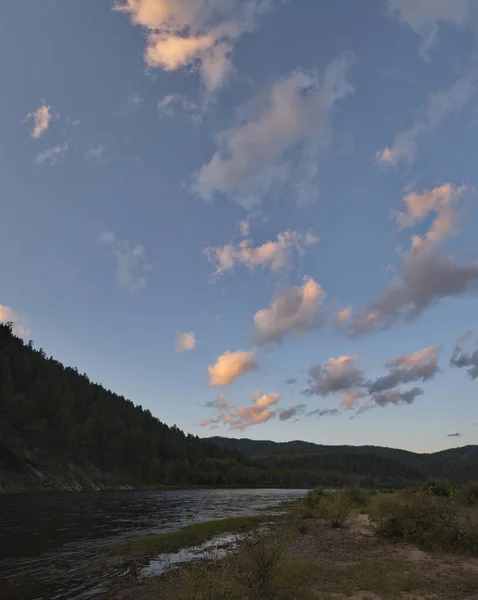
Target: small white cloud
point(41, 119)
point(131, 264)
point(185, 341)
point(52, 156)
point(230, 366)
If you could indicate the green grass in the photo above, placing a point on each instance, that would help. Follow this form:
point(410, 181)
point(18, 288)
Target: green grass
point(191, 535)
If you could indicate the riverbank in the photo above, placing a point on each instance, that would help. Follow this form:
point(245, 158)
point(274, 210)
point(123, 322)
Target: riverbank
point(332, 550)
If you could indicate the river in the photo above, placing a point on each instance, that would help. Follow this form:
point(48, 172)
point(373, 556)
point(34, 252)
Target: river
point(54, 538)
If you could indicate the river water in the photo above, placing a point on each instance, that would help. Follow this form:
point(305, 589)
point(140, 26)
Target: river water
point(54, 538)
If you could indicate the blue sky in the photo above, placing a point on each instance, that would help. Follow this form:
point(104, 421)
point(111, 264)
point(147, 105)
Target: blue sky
point(291, 184)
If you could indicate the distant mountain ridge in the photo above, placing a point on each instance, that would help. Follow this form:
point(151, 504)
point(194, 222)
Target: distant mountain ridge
point(459, 464)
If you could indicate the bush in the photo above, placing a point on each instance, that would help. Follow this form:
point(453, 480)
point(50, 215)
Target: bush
point(357, 495)
point(258, 560)
point(313, 498)
point(433, 522)
point(470, 493)
point(336, 508)
point(438, 487)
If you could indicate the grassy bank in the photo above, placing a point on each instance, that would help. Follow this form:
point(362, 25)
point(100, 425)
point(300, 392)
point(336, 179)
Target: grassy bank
point(191, 535)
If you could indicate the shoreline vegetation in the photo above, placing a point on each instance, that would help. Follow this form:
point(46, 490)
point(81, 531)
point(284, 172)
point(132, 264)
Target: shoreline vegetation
point(419, 544)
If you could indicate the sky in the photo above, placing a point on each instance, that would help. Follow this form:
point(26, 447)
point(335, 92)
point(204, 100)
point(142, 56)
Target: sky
point(255, 218)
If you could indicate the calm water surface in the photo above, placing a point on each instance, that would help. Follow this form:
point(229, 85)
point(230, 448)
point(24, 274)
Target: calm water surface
point(53, 537)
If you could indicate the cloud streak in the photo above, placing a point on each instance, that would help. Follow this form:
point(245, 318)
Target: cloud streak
point(131, 264)
point(420, 366)
point(425, 276)
point(261, 410)
point(273, 255)
point(276, 144)
point(294, 411)
point(294, 312)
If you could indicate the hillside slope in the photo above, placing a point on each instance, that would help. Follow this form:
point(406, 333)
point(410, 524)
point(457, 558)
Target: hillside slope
point(459, 464)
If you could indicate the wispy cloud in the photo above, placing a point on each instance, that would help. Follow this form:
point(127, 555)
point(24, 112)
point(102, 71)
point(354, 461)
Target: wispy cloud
point(424, 16)
point(294, 411)
point(41, 120)
point(294, 311)
point(131, 264)
point(396, 397)
point(463, 359)
point(272, 255)
point(291, 381)
point(277, 141)
point(197, 34)
point(342, 316)
point(425, 276)
point(8, 315)
point(441, 105)
point(420, 366)
point(324, 412)
point(175, 104)
point(52, 156)
point(454, 435)
point(97, 154)
point(230, 366)
point(261, 410)
point(185, 341)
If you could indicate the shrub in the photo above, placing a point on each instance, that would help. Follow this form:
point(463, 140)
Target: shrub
point(336, 508)
point(438, 487)
point(357, 495)
point(433, 522)
point(313, 497)
point(258, 560)
point(470, 493)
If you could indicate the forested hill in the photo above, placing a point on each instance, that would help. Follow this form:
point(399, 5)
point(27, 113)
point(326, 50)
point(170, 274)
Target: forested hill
point(59, 430)
point(460, 464)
